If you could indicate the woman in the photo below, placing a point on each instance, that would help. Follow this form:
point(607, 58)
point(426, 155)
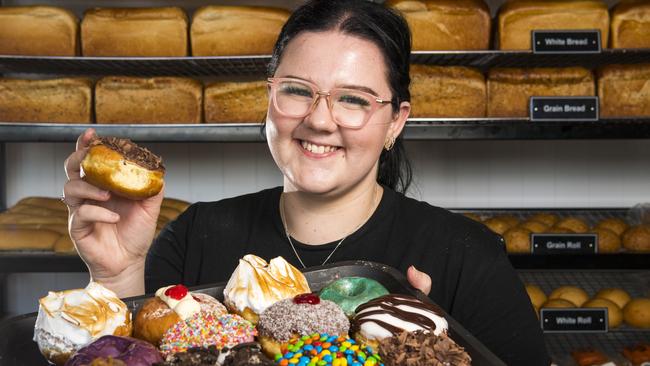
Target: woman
point(338, 102)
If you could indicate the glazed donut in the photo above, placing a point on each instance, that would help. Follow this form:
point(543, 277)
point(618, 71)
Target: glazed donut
point(171, 305)
point(303, 315)
point(122, 167)
point(350, 292)
point(130, 351)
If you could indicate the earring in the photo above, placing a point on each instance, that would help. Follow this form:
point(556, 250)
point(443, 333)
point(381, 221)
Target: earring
point(390, 142)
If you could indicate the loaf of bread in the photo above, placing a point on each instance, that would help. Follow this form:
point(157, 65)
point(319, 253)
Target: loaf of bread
point(37, 31)
point(446, 24)
point(58, 100)
point(27, 239)
point(518, 18)
point(447, 91)
point(46, 202)
point(238, 102)
point(624, 90)
point(236, 30)
point(510, 89)
point(631, 24)
point(155, 100)
point(136, 32)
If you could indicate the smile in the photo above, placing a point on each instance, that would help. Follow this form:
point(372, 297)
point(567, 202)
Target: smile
point(318, 149)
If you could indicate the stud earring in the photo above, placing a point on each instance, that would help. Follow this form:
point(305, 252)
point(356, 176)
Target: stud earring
point(390, 142)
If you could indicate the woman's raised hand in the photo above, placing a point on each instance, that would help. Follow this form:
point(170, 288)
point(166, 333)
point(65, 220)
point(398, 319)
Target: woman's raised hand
point(112, 234)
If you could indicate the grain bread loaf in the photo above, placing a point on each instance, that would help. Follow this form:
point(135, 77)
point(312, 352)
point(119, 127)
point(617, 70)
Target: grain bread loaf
point(624, 90)
point(236, 30)
point(136, 32)
point(121, 99)
point(38, 31)
point(446, 24)
point(27, 239)
point(66, 100)
point(238, 102)
point(46, 202)
point(510, 89)
point(447, 91)
point(630, 24)
point(517, 18)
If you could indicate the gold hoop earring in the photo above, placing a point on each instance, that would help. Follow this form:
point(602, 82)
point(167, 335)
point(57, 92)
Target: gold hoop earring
point(390, 142)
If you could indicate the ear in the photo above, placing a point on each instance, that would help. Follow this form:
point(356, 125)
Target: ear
point(399, 119)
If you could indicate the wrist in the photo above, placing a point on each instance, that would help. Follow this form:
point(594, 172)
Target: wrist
point(129, 282)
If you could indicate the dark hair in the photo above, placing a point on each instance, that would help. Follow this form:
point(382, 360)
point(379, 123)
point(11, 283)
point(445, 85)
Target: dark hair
point(390, 33)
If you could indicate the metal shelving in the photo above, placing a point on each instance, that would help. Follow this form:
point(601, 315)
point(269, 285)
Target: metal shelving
point(416, 129)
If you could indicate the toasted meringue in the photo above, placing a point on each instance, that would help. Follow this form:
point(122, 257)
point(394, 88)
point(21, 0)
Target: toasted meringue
point(255, 285)
point(69, 320)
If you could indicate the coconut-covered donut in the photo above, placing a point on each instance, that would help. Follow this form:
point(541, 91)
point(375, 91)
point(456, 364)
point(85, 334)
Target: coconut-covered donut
point(350, 292)
point(131, 351)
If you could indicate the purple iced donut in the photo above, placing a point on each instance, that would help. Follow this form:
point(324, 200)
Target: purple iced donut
point(131, 351)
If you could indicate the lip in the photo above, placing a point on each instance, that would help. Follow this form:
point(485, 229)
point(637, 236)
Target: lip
point(313, 155)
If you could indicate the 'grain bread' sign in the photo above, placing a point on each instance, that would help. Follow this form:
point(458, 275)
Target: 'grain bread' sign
point(559, 41)
point(563, 109)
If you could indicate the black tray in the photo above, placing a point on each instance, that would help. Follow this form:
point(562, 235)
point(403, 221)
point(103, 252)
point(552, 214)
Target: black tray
point(17, 347)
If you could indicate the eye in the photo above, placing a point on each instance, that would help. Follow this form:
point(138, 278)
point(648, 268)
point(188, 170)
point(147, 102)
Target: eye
point(352, 100)
point(296, 90)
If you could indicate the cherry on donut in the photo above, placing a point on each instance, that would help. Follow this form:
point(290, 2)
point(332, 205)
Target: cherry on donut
point(176, 292)
point(310, 298)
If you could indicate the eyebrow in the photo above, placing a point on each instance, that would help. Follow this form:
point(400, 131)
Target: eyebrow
point(347, 86)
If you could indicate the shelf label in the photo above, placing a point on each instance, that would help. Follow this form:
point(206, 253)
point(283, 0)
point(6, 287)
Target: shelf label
point(564, 109)
point(583, 320)
point(564, 243)
point(566, 41)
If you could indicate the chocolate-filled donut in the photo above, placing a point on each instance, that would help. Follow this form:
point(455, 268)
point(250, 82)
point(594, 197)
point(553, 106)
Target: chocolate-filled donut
point(122, 167)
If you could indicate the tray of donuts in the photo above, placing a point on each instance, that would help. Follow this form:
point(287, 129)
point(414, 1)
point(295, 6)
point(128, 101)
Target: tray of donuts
point(268, 313)
point(618, 230)
point(40, 224)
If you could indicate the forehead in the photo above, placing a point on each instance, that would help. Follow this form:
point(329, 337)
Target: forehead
point(333, 58)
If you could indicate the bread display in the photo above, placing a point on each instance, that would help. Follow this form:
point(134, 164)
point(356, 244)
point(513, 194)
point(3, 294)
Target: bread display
point(134, 32)
point(638, 355)
point(442, 24)
point(608, 241)
point(122, 99)
point(573, 224)
point(624, 90)
point(517, 240)
point(630, 24)
point(236, 30)
point(38, 31)
point(518, 18)
point(614, 312)
point(589, 357)
point(236, 102)
point(637, 313)
point(616, 295)
point(510, 89)
point(447, 91)
point(573, 294)
point(67, 100)
point(637, 239)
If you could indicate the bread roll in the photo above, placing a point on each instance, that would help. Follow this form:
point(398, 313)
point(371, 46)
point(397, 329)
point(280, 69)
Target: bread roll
point(608, 241)
point(509, 89)
point(447, 91)
point(615, 295)
point(26, 239)
point(534, 226)
point(497, 225)
point(238, 102)
point(66, 100)
point(575, 295)
point(517, 240)
point(46, 202)
point(518, 18)
point(574, 224)
point(637, 313)
point(637, 239)
point(618, 226)
point(624, 90)
point(537, 296)
point(137, 32)
point(236, 30)
point(630, 24)
point(614, 312)
point(37, 31)
point(558, 304)
point(443, 24)
point(121, 99)
point(548, 219)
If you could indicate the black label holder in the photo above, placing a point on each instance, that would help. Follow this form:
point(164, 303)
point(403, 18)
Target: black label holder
point(567, 320)
point(539, 112)
point(540, 40)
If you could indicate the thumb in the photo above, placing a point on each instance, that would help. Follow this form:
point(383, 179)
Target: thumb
point(419, 280)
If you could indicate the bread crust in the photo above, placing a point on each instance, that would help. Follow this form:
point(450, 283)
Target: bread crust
point(238, 102)
point(624, 90)
point(630, 24)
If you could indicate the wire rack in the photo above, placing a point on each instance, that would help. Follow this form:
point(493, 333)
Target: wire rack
point(612, 344)
point(591, 216)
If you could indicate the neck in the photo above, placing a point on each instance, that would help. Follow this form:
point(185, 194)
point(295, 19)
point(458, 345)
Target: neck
point(319, 219)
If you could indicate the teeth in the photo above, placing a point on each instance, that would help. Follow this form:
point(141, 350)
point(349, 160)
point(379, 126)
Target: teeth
point(317, 149)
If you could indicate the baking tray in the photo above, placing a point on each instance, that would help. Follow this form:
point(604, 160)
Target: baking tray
point(17, 347)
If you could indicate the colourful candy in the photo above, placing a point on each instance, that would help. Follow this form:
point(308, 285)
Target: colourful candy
point(326, 350)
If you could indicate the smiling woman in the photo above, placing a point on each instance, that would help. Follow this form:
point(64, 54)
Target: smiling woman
point(338, 100)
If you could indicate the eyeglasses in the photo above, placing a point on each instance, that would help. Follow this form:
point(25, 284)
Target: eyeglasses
point(349, 108)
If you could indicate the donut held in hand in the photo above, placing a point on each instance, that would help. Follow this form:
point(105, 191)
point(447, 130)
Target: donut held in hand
point(122, 167)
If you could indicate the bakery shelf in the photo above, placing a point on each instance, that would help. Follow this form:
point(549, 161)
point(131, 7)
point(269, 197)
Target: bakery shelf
point(560, 346)
point(23, 261)
point(416, 129)
point(631, 261)
point(256, 65)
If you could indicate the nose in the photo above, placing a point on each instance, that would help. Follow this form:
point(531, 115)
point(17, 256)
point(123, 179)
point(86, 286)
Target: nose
point(320, 117)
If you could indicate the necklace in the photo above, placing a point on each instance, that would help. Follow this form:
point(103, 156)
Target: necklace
point(288, 235)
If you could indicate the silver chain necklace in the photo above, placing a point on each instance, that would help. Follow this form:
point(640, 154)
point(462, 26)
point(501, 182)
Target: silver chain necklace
point(286, 232)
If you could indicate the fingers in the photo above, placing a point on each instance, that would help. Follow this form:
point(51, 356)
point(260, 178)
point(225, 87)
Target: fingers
point(419, 280)
point(73, 162)
point(83, 218)
point(76, 191)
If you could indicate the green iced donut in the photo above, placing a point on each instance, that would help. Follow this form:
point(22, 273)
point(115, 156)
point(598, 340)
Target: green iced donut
point(350, 292)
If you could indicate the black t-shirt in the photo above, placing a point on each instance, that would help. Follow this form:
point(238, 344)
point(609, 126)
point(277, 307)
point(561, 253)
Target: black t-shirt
point(472, 277)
